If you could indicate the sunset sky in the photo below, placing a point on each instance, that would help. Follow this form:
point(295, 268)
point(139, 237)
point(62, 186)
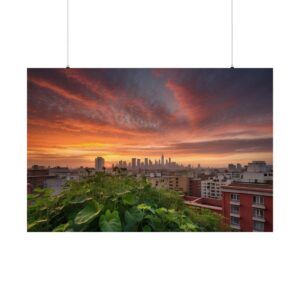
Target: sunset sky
point(207, 116)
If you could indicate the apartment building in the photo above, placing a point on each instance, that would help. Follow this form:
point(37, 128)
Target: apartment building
point(248, 206)
point(258, 172)
point(211, 188)
point(177, 183)
point(195, 187)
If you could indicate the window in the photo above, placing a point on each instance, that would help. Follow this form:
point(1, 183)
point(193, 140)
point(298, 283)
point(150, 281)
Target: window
point(235, 197)
point(234, 221)
point(258, 226)
point(258, 213)
point(258, 199)
point(235, 209)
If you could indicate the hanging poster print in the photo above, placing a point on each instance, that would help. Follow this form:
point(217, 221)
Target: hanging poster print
point(150, 150)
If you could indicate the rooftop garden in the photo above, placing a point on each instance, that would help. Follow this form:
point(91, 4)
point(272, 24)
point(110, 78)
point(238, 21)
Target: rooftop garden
point(114, 204)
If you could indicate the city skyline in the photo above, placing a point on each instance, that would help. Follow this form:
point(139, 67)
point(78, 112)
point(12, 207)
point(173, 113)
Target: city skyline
point(210, 117)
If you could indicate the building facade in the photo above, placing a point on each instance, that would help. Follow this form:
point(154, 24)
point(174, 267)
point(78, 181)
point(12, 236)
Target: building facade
point(176, 183)
point(258, 172)
point(195, 187)
point(248, 207)
point(211, 188)
point(99, 164)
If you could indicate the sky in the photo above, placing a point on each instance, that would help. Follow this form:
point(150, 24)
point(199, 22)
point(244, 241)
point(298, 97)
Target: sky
point(210, 117)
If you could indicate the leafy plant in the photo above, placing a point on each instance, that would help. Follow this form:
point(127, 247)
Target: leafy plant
point(115, 203)
point(110, 221)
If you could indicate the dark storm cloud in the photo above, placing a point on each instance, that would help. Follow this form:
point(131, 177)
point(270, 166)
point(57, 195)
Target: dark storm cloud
point(225, 146)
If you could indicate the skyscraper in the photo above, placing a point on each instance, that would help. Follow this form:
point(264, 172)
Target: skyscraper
point(133, 163)
point(138, 163)
point(146, 163)
point(162, 160)
point(99, 164)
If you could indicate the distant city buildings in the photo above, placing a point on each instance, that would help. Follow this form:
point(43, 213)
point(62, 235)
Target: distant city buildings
point(133, 163)
point(258, 172)
point(99, 164)
point(138, 164)
point(54, 178)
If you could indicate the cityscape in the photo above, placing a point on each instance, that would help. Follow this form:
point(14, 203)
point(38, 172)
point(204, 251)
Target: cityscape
point(198, 141)
point(208, 188)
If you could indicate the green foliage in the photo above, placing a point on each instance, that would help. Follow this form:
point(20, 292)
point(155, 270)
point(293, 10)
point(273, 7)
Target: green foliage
point(115, 203)
point(88, 213)
point(110, 221)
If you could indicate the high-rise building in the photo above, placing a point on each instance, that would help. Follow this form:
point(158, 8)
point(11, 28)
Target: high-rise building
point(162, 160)
point(133, 163)
point(138, 163)
point(146, 162)
point(99, 164)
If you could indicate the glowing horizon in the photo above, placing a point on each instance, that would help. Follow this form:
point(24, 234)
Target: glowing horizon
point(210, 117)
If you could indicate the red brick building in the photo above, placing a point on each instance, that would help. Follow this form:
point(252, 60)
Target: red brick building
point(248, 207)
point(195, 187)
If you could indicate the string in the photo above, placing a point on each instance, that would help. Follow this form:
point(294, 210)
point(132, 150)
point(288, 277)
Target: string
point(232, 34)
point(68, 34)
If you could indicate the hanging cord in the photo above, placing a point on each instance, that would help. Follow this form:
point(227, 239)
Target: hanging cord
point(68, 33)
point(232, 34)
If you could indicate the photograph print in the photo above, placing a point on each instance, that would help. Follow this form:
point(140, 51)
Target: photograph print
point(149, 150)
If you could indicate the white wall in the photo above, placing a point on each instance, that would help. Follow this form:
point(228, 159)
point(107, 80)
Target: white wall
point(157, 33)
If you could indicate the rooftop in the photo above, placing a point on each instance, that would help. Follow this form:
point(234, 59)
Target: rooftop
point(249, 187)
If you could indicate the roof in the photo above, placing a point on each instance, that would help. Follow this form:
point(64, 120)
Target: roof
point(218, 208)
point(255, 187)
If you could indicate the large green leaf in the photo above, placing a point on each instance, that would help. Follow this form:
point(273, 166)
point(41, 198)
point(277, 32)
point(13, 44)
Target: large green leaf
point(173, 216)
point(80, 199)
point(132, 217)
point(89, 213)
point(129, 199)
point(188, 227)
point(161, 211)
point(110, 221)
point(121, 194)
point(145, 207)
point(36, 224)
point(62, 227)
point(32, 196)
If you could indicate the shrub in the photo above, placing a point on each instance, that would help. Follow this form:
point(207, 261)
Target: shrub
point(115, 203)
